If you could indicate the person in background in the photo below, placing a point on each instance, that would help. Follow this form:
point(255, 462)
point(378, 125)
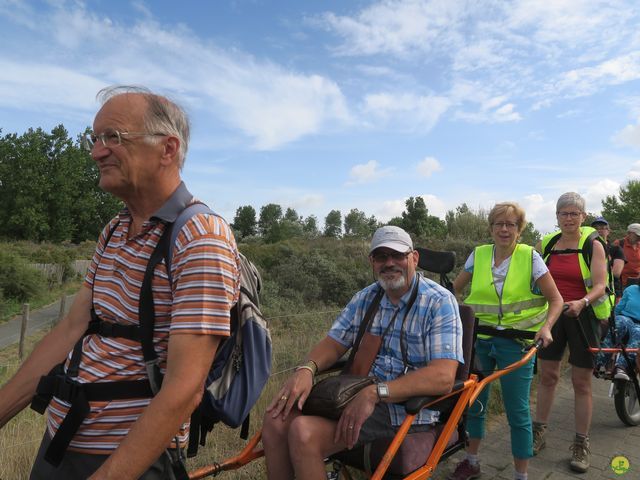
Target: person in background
point(627, 328)
point(583, 288)
point(513, 293)
point(630, 245)
point(614, 253)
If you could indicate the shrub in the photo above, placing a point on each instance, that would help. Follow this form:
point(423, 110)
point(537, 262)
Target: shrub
point(18, 280)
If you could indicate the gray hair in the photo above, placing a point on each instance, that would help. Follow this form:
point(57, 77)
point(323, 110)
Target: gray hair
point(162, 115)
point(570, 199)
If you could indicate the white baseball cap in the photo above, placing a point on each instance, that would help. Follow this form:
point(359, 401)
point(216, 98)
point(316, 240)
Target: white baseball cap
point(634, 228)
point(391, 237)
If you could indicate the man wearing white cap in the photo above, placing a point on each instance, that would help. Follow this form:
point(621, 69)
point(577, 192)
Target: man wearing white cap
point(419, 334)
point(631, 247)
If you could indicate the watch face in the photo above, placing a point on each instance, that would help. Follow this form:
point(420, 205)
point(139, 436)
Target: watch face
point(383, 390)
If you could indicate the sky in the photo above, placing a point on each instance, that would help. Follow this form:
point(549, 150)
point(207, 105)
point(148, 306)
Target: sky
point(334, 104)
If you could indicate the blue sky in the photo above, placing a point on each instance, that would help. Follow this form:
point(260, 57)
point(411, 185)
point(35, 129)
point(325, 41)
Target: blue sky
point(321, 105)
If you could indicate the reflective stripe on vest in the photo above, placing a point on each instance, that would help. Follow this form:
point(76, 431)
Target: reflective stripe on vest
point(517, 307)
point(602, 305)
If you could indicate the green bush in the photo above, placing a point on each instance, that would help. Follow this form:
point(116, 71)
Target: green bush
point(18, 280)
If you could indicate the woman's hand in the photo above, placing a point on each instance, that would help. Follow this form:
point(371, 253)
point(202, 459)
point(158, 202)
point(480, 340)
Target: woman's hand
point(295, 389)
point(574, 308)
point(544, 334)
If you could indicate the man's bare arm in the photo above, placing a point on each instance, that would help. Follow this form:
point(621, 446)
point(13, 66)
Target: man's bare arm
point(51, 350)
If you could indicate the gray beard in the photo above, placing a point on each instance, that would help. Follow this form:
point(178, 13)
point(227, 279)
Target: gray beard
point(392, 285)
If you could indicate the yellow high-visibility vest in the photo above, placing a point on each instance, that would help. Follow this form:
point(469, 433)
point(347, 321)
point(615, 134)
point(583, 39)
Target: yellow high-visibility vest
point(518, 307)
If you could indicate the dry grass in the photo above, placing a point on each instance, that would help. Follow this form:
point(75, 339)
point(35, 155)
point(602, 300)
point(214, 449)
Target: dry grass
point(20, 438)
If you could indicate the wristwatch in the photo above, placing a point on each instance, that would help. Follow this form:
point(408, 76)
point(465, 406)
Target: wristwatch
point(383, 390)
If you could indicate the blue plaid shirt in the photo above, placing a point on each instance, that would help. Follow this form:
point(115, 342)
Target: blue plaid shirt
point(432, 331)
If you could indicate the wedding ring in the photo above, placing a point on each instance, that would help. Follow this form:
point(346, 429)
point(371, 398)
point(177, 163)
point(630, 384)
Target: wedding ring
point(284, 398)
point(350, 427)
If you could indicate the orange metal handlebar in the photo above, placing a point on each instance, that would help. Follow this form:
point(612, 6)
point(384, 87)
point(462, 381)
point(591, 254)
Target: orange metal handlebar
point(248, 454)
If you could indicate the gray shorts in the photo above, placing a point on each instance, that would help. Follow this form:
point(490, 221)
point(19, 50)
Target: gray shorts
point(77, 465)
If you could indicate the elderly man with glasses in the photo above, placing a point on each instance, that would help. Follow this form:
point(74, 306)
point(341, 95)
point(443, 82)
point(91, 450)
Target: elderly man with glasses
point(110, 412)
point(415, 316)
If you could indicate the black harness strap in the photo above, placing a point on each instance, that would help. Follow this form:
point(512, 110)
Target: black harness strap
point(510, 333)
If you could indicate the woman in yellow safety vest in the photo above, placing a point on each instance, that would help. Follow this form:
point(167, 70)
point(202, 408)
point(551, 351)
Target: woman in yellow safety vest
point(581, 280)
point(515, 299)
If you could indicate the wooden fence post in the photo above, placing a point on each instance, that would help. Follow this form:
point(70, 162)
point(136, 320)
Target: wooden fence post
point(63, 301)
point(23, 329)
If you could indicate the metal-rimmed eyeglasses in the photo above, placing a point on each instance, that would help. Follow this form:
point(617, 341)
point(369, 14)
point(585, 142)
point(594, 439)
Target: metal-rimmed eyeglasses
point(111, 137)
point(382, 257)
point(568, 214)
point(507, 225)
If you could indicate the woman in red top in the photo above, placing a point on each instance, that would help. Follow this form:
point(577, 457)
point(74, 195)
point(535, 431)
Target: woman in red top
point(564, 266)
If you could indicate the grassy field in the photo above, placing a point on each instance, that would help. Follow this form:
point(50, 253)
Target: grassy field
point(293, 336)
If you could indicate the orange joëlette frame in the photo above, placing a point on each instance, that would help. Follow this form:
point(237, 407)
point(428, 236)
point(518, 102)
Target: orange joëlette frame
point(468, 391)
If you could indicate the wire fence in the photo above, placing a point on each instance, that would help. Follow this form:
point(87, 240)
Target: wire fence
point(15, 336)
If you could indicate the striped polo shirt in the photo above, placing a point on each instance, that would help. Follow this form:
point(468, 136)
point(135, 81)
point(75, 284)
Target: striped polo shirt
point(206, 282)
point(432, 330)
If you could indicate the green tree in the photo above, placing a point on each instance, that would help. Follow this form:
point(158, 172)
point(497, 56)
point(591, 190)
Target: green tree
point(623, 209)
point(416, 219)
point(270, 216)
point(49, 189)
point(244, 223)
point(333, 224)
point(291, 225)
point(310, 227)
point(530, 235)
point(357, 224)
point(464, 224)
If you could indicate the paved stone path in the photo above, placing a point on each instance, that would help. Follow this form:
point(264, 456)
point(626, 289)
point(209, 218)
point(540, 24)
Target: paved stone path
point(44, 317)
point(609, 438)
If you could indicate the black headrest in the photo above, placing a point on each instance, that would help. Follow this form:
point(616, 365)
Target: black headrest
point(436, 261)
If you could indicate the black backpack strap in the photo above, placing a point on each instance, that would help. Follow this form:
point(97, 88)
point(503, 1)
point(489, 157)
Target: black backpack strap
point(549, 246)
point(79, 395)
point(164, 250)
point(180, 221)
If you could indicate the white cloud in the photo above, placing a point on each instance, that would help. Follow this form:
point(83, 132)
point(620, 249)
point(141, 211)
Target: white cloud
point(405, 110)
point(588, 80)
point(268, 103)
point(428, 166)
point(38, 86)
point(434, 205)
point(634, 173)
point(367, 173)
point(390, 209)
point(396, 27)
point(490, 108)
point(629, 135)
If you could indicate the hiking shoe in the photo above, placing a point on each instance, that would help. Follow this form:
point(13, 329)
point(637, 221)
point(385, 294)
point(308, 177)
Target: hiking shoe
point(580, 455)
point(465, 471)
point(621, 374)
point(539, 432)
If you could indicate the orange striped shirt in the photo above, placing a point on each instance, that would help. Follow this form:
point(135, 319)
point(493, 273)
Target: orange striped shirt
point(206, 281)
